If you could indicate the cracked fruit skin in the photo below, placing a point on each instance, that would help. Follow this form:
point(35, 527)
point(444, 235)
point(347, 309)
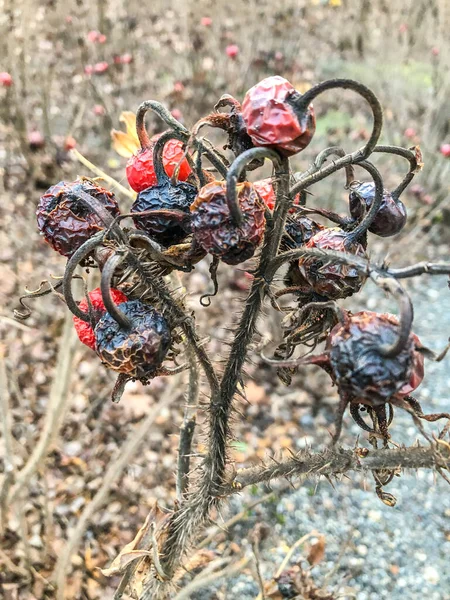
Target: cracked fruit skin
point(361, 371)
point(65, 221)
point(166, 229)
point(214, 229)
point(337, 280)
point(391, 216)
point(271, 120)
point(140, 169)
point(84, 330)
point(137, 352)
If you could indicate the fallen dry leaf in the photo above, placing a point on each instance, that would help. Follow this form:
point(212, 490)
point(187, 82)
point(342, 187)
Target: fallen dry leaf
point(317, 552)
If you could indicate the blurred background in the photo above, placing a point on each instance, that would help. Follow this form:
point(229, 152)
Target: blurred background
point(67, 72)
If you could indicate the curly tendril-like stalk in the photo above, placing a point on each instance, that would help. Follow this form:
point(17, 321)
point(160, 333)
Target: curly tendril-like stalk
point(406, 317)
point(177, 127)
point(414, 166)
point(77, 257)
point(113, 262)
point(235, 171)
point(300, 105)
point(368, 218)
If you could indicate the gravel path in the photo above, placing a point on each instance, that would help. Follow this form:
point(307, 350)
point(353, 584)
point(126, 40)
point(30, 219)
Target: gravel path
point(396, 553)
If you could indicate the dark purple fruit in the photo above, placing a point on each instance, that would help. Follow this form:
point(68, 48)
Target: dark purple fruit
point(214, 229)
point(65, 221)
point(137, 352)
point(170, 224)
point(391, 216)
point(359, 368)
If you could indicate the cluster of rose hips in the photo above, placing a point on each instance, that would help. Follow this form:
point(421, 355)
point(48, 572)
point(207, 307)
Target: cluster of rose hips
point(183, 211)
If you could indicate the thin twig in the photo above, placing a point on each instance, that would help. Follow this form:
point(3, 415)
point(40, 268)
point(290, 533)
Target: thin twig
point(6, 428)
point(114, 471)
point(201, 582)
point(57, 407)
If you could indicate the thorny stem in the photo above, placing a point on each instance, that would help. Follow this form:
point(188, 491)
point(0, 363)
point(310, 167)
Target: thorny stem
point(188, 427)
point(235, 171)
point(109, 268)
point(339, 461)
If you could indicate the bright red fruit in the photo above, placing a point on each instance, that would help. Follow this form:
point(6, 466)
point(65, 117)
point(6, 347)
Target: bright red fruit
point(264, 187)
point(101, 67)
point(271, 120)
point(84, 330)
point(140, 169)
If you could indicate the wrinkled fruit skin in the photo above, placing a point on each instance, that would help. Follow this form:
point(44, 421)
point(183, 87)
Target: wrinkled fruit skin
point(272, 122)
point(332, 281)
point(138, 352)
point(358, 368)
point(298, 231)
point(84, 330)
point(165, 229)
point(214, 229)
point(391, 216)
point(65, 222)
point(140, 169)
point(264, 187)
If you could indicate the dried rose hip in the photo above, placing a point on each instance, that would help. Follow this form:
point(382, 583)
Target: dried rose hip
point(140, 169)
point(166, 204)
point(84, 330)
point(332, 280)
point(137, 352)
point(65, 221)
point(298, 231)
point(361, 371)
point(271, 120)
point(213, 226)
point(391, 216)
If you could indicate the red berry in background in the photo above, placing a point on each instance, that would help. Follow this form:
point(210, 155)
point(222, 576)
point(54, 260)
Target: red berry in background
point(177, 114)
point(435, 51)
point(264, 187)
point(178, 87)
point(206, 21)
point(99, 110)
point(271, 120)
point(332, 281)
point(69, 143)
point(391, 216)
point(445, 150)
point(101, 67)
point(88, 69)
point(92, 36)
point(84, 330)
point(140, 169)
point(101, 38)
point(124, 59)
point(5, 79)
point(358, 367)
point(410, 133)
point(65, 221)
point(138, 352)
point(232, 50)
point(213, 226)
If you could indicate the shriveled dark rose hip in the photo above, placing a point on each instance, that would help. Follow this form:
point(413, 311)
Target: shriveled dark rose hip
point(137, 352)
point(213, 226)
point(332, 280)
point(361, 371)
point(65, 221)
point(391, 216)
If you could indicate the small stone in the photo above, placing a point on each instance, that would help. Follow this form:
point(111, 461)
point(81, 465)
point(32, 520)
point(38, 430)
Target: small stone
point(362, 550)
point(431, 575)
